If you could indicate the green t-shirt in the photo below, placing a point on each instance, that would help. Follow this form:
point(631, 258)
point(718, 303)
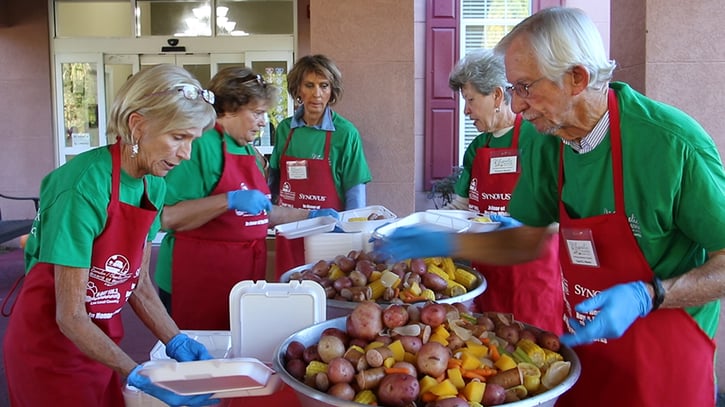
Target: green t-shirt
point(73, 209)
point(349, 166)
point(193, 179)
point(674, 189)
point(528, 138)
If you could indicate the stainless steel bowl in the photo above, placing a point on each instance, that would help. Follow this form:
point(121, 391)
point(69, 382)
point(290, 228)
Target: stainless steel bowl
point(310, 397)
point(338, 308)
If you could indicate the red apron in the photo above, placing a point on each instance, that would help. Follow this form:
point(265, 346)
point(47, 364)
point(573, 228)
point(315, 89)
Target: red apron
point(532, 290)
point(209, 260)
point(43, 367)
point(313, 189)
point(664, 359)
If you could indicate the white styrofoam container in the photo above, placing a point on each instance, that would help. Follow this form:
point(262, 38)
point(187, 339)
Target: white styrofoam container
point(263, 314)
point(306, 227)
point(270, 312)
point(347, 224)
point(474, 227)
point(429, 220)
point(326, 246)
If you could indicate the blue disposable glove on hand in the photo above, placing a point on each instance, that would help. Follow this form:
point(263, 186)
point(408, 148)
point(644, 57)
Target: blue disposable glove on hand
point(618, 307)
point(507, 222)
point(316, 213)
point(409, 242)
point(184, 349)
point(248, 200)
point(143, 383)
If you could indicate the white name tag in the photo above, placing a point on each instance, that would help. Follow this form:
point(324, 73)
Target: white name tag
point(297, 169)
point(503, 165)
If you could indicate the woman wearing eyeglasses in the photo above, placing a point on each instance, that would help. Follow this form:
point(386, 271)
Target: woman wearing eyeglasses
point(89, 249)
point(218, 207)
point(531, 291)
point(318, 159)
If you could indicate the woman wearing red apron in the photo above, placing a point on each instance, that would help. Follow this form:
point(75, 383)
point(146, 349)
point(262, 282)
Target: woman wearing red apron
point(532, 290)
point(89, 250)
point(217, 208)
point(324, 165)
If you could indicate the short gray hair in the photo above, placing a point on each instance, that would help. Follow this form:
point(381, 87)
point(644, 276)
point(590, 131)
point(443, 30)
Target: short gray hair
point(562, 38)
point(167, 112)
point(483, 69)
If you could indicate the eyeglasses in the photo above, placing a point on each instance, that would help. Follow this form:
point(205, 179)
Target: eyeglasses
point(254, 77)
point(190, 92)
point(522, 89)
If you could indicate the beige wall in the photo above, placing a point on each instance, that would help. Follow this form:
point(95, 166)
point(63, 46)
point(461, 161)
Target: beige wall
point(375, 55)
point(26, 133)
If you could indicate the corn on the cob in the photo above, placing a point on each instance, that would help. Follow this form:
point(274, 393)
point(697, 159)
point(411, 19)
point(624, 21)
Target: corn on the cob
point(377, 288)
point(433, 261)
point(466, 278)
point(455, 289)
point(365, 397)
point(533, 351)
point(551, 357)
point(315, 367)
point(335, 272)
point(449, 267)
point(428, 294)
point(432, 268)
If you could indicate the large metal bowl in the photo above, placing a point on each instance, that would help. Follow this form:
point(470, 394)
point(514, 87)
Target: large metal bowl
point(310, 397)
point(338, 308)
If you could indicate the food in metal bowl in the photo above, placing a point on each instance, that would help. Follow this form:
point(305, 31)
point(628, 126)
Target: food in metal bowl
point(360, 276)
point(427, 361)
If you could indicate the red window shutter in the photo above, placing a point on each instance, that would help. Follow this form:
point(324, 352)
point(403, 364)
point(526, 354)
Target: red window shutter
point(441, 104)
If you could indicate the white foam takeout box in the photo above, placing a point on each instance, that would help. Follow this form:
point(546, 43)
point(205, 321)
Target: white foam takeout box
point(262, 315)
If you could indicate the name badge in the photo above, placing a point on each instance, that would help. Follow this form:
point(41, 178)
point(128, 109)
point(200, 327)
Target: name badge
point(297, 169)
point(580, 246)
point(503, 165)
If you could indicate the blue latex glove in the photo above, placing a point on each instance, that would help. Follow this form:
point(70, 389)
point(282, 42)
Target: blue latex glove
point(409, 242)
point(184, 349)
point(144, 384)
point(316, 213)
point(248, 200)
point(507, 222)
point(618, 307)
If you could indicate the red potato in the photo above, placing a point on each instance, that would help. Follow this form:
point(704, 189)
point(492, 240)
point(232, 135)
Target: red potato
point(337, 332)
point(310, 354)
point(432, 359)
point(294, 350)
point(433, 314)
point(549, 341)
point(321, 268)
point(340, 370)
point(330, 347)
point(296, 367)
point(411, 344)
point(342, 282)
point(398, 390)
point(510, 333)
point(345, 263)
point(342, 390)
point(418, 266)
point(493, 395)
point(365, 266)
point(395, 315)
point(365, 321)
point(527, 334)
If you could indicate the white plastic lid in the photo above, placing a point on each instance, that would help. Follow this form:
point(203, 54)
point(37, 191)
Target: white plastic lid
point(263, 315)
point(431, 220)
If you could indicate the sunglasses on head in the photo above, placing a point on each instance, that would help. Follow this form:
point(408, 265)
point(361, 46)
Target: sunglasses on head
point(254, 77)
point(190, 92)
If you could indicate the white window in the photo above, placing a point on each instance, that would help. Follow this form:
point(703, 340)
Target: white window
point(483, 24)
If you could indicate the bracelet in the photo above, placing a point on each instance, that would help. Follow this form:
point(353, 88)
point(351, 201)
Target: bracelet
point(659, 293)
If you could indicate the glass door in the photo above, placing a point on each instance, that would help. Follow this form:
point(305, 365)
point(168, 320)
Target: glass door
point(198, 64)
point(79, 93)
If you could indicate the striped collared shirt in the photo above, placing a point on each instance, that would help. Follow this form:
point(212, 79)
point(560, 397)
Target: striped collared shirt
point(593, 139)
